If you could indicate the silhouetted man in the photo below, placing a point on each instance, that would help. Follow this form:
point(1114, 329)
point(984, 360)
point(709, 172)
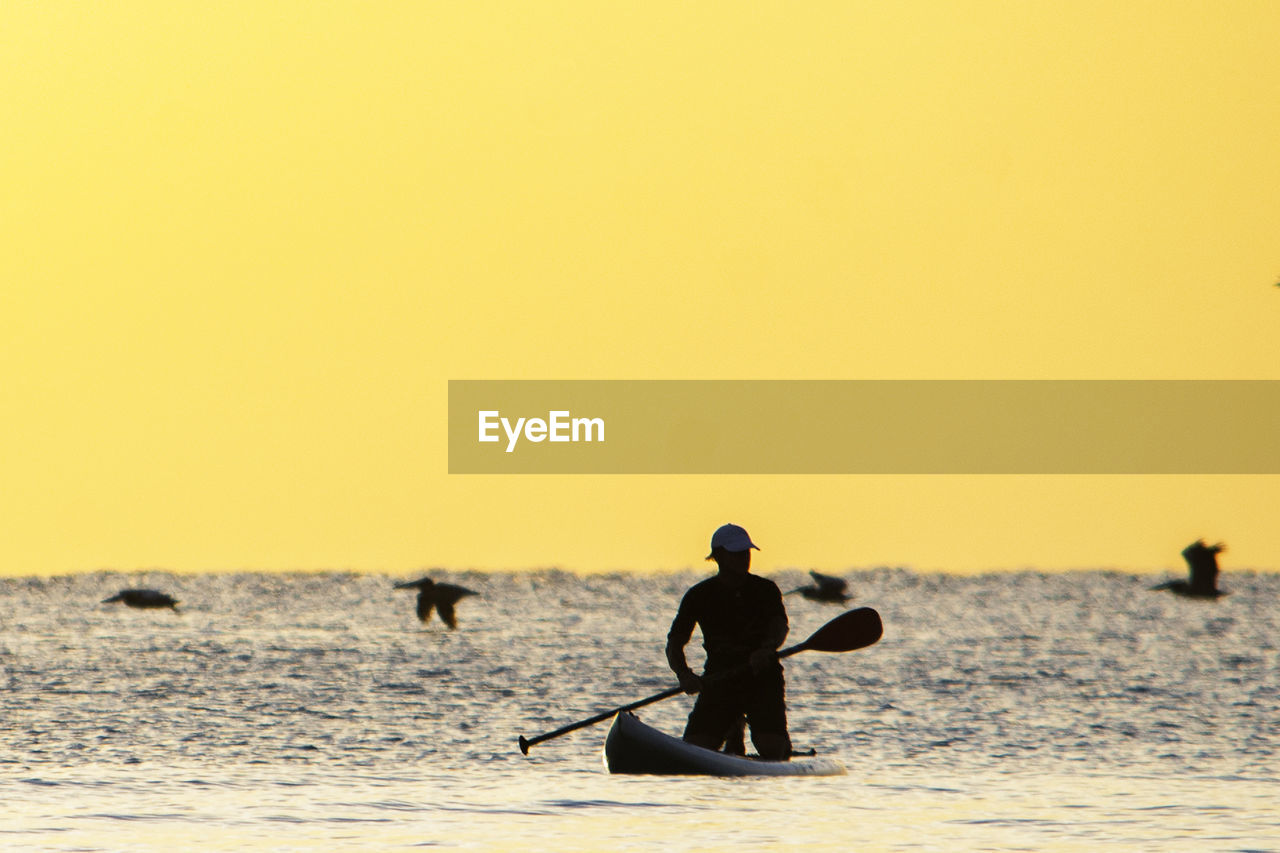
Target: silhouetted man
point(743, 622)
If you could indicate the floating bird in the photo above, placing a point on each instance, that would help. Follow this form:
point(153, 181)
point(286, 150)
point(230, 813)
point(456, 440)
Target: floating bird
point(1202, 563)
point(824, 588)
point(143, 598)
point(441, 596)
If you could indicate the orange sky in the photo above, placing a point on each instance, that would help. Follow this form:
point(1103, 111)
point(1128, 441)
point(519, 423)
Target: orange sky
point(244, 251)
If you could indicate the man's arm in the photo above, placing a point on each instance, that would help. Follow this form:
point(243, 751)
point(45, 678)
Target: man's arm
point(679, 635)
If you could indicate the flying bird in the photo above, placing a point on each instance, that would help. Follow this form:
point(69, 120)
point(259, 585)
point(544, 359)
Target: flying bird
point(438, 596)
point(824, 588)
point(1202, 567)
point(143, 598)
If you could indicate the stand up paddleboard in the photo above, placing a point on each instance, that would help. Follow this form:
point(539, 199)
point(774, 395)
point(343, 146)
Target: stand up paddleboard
point(633, 747)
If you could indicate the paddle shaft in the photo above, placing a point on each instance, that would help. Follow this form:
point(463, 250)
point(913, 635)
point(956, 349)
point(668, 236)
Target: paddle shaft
point(657, 697)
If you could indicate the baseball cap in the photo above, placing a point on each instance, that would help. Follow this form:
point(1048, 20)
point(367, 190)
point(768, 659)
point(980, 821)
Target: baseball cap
point(731, 537)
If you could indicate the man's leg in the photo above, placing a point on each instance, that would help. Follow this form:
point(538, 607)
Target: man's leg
point(735, 742)
point(703, 740)
point(771, 745)
point(767, 716)
point(709, 720)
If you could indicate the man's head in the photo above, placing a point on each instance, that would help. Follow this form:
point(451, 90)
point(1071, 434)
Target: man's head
point(731, 548)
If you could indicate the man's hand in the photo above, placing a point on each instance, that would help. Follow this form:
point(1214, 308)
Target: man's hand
point(690, 682)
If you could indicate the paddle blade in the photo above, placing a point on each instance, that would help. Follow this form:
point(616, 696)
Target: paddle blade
point(854, 629)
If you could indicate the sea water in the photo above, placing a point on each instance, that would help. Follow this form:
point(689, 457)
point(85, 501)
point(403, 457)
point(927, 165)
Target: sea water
point(312, 711)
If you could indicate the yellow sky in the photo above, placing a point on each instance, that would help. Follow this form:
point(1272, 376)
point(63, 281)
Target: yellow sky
point(244, 246)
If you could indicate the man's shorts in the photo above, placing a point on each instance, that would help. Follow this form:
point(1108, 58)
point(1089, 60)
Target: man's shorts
point(761, 698)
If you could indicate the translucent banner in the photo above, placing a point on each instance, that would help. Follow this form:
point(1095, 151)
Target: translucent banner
point(864, 427)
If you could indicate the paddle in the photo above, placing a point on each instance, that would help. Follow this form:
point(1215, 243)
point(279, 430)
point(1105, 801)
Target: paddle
point(853, 629)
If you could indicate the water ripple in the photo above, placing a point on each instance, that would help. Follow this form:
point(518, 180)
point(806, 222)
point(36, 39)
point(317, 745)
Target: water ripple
point(1018, 710)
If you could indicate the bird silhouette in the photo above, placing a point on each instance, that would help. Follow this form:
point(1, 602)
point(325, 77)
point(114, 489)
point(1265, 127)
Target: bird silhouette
point(1202, 567)
point(824, 588)
point(438, 596)
point(143, 598)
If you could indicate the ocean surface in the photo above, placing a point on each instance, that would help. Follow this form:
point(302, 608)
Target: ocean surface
point(1008, 711)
